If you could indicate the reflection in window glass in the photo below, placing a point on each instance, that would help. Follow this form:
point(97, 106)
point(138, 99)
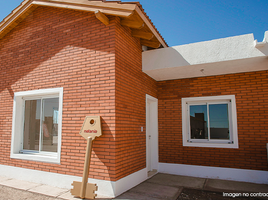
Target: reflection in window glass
point(31, 125)
point(198, 122)
point(219, 122)
point(50, 125)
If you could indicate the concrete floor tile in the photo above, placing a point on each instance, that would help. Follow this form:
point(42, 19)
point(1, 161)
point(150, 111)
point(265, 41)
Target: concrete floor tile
point(8, 193)
point(178, 181)
point(100, 197)
point(133, 195)
point(48, 190)
point(151, 191)
point(19, 184)
point(234, 186)
point(69, 196)
point(3, 179)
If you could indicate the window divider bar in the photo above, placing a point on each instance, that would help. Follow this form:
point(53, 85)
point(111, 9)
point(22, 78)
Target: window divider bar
point(23, 124)
point(230, 120)
point(188, 122)
point(41, 124)
point(208, 122)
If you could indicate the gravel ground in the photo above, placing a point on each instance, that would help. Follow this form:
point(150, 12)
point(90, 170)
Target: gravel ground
point(191, 194)
point(7, 193)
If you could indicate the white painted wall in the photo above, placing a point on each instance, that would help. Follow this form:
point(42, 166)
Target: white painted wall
point(105, 188)
point(244, 175)
point(221, 56)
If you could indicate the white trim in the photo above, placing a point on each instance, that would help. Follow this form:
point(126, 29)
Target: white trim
point(17, 122)
point(200, 100)
point(244, 175)
point(209, 58)
point(129, 182)
point(152, 114)
point(105, 188)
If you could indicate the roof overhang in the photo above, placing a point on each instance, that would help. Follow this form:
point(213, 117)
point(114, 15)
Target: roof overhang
point(222, 56)
point(130, 13)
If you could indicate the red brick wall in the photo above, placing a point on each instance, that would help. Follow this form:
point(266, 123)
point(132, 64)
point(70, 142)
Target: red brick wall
point(70, 49)
point(251, 92)
point(132, 85)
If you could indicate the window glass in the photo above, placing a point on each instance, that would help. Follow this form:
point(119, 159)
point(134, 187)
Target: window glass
point(36, 125)
point(50, 125)
point(31, 125)
point(219, 121)
point(209, 121)
point(198, 122)
point(48, 139)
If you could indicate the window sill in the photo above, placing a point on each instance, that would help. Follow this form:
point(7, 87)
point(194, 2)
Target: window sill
point(212, 145)
point(50, 157)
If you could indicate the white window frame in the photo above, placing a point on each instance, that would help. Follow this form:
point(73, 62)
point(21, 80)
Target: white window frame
point(187, 141)
point(18, 123)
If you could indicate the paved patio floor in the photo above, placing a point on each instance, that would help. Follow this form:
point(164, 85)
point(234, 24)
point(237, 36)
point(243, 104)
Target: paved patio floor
point(160, 186)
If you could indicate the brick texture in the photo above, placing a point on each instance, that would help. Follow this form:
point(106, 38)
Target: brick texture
point(70, 49)
point(100, 69)
point(250, 90)
point(132, 85)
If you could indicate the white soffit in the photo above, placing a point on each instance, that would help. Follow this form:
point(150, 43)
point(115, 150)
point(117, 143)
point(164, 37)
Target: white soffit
point(222, 56)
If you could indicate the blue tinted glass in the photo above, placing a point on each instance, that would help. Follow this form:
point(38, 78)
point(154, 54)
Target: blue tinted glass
point(198, 122)
point(219, 121)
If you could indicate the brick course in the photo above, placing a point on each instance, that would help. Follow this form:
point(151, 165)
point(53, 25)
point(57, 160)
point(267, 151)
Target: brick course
point(250, 90)
point(132, 85)
point(70, 49)
point(100, 69)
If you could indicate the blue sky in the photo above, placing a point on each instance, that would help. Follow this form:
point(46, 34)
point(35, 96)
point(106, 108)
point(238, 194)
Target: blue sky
point(189, 21)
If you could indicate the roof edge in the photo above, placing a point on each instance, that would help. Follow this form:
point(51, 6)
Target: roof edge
point(148, 22)
point(123, 10)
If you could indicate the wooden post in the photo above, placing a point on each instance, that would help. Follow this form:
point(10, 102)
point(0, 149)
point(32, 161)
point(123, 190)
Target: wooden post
point(86, 168)
point(90, 130)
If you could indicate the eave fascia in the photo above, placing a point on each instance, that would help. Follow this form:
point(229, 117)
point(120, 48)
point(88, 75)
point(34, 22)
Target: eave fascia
point(151, 27)
point(91, 6)
point(123, 10)
point(27, 6)
point(15, 13)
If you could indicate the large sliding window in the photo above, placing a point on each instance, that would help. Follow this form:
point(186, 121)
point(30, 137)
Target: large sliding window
point(37, 125)
point(210, 121)
point(41, 125)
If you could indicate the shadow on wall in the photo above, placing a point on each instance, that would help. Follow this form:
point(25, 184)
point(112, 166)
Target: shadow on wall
point(264, 48)
point(49, 48)
point(26, 48)
point(163, 63)
point(173, 56)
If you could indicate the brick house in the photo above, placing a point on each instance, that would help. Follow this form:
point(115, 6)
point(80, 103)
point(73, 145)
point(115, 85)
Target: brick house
point(196, 110)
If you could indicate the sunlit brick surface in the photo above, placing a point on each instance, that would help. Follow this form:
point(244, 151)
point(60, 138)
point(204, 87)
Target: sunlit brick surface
point(251, 92)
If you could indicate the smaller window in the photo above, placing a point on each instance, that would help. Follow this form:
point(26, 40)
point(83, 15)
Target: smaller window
point(36, 126)
point(209, 122)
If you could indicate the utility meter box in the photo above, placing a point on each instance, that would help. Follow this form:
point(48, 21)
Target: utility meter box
point(91, 127)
